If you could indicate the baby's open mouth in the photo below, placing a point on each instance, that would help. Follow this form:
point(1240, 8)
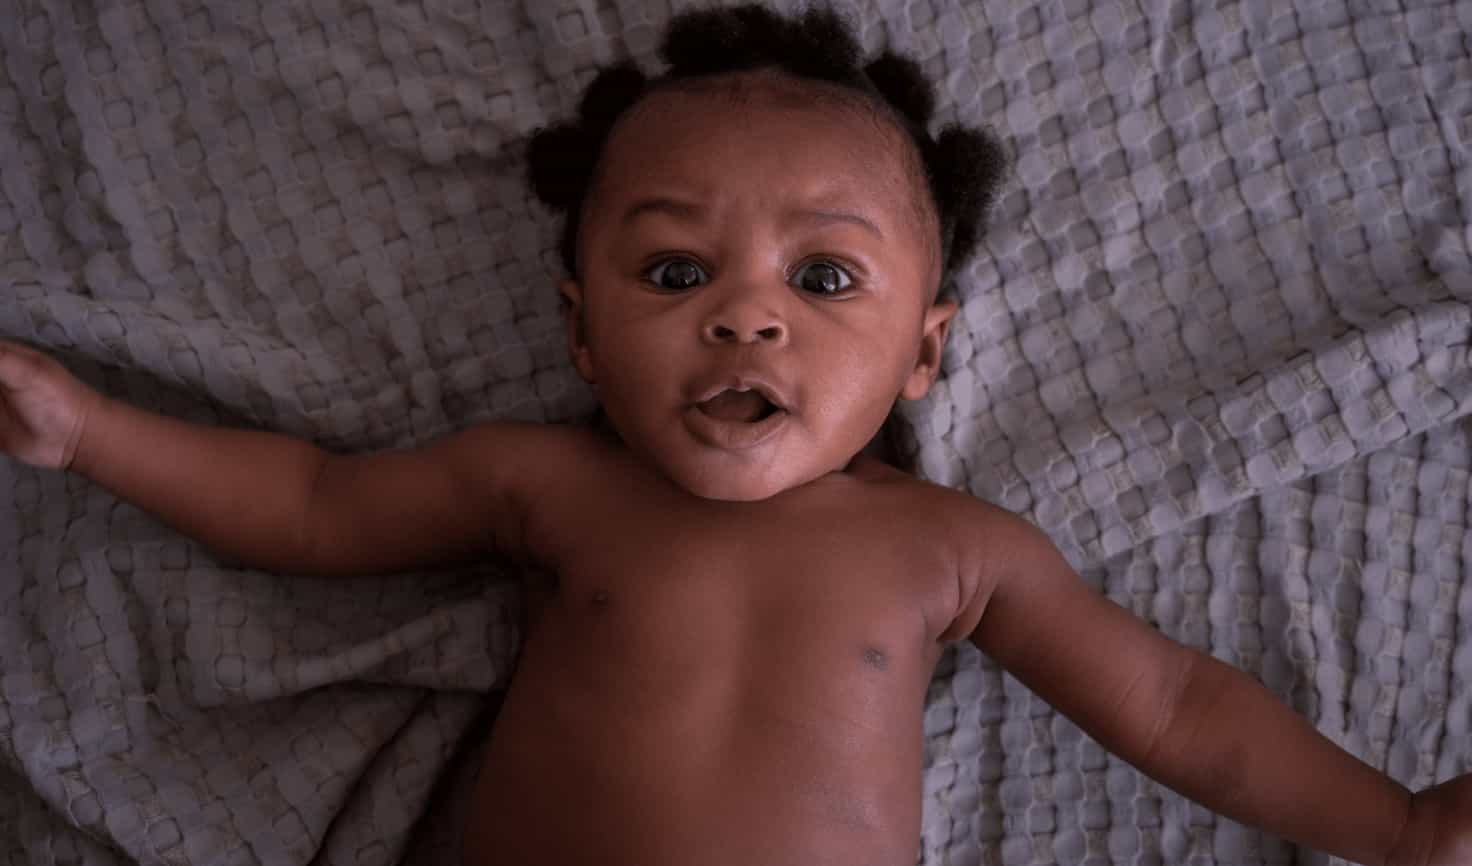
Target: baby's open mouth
point(745, 406)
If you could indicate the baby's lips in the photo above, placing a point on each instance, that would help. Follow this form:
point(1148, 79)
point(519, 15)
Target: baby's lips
point(743, 381)
point(732, 405)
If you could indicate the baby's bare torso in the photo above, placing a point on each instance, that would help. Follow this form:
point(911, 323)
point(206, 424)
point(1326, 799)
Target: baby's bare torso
point(720, 682)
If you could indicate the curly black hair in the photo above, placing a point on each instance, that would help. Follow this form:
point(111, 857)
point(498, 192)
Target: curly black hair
point(962, 166)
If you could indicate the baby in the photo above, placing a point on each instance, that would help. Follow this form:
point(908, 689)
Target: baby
point(757, 243)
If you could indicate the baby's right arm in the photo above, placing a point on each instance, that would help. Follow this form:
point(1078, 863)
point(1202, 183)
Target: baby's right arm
point(271, 501)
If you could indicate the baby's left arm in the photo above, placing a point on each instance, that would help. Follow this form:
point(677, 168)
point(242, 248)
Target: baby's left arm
point(1195, 724)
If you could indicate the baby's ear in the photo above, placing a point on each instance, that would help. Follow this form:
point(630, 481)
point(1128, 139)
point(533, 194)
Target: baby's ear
point(932, 345)
point(577, 336)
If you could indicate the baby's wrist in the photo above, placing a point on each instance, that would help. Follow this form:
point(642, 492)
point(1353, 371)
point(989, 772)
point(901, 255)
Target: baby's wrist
point(84, 432)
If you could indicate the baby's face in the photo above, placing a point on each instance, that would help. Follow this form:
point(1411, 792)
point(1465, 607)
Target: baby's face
point(769, 243)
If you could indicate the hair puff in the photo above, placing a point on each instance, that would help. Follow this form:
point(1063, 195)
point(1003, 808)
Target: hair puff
point(559, 162)
point(966, 170)
point(902, 84)
point(610, 94)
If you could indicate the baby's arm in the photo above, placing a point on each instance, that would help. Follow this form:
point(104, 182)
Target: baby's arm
point(272, 501)
point(1196, 724)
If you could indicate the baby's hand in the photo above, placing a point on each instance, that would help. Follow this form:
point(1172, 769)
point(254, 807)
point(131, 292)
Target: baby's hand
point(43, 408)
point(1439, 832)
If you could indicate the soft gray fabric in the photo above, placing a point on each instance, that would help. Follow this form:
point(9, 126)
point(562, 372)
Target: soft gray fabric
point(1216, 345)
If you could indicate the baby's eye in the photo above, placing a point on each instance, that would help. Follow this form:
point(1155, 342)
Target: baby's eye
point(676, 274)
point(822, 278)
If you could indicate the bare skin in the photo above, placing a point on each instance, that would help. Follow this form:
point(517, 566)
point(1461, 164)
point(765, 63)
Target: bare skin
point(731, 664)
point(786, 728)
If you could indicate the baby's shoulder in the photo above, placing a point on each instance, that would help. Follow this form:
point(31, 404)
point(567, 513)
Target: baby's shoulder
point(542, 460)
point(982, 544)
point(958, 522)
point(947, 509)
point(560, 479)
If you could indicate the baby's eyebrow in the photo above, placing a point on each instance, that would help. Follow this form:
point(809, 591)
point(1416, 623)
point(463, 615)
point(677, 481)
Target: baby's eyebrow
point(693, 212)
point(685, 210)
point(829, 216)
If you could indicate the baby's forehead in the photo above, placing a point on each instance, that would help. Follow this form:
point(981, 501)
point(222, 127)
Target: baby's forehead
point(737, 93)
point(878, 140)
point(769, 86)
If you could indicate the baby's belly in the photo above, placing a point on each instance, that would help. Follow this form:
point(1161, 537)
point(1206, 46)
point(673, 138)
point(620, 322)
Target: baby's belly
point(710, 760)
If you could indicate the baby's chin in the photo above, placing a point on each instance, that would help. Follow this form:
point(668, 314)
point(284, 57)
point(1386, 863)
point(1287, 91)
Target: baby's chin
point(753, 475)
point(731, 489)
point(744, 484)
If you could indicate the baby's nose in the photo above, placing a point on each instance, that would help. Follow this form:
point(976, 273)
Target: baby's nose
point(744, 326)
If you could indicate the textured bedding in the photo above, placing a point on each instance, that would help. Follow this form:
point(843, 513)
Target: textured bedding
point(1216, 344)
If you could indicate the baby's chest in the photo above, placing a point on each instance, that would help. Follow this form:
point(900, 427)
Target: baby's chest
point(824, 605)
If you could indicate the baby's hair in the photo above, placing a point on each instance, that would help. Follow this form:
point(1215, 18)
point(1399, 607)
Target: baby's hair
point(962, 166)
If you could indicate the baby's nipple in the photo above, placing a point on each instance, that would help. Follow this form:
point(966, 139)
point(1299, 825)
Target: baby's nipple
point(731, 405)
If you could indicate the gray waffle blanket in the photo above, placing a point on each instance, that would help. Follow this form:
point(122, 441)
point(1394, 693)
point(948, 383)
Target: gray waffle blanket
point(1216, 345)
